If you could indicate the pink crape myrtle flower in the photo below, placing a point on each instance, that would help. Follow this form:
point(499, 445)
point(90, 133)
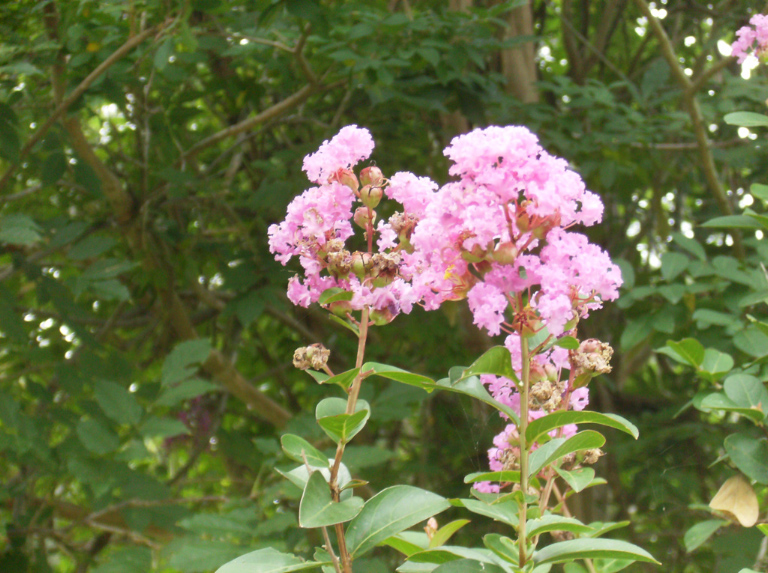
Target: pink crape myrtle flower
point(753, 38)
point(501, 231)
point(501, 236)
point(320, 221)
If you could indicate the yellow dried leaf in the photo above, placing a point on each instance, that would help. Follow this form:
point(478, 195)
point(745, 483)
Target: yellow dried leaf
point(737, 500)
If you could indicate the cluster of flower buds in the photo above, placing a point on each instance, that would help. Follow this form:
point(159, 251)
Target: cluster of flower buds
point(591, 359)
point(314, 356)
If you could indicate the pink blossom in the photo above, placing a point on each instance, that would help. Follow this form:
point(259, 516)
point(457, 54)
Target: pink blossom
point(751, 39)
point(350, 146)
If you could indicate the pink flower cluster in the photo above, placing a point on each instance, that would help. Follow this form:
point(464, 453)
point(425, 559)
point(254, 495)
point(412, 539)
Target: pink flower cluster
point(498, 236)
point(320, 221)
point(548, 393)
point(751, 38)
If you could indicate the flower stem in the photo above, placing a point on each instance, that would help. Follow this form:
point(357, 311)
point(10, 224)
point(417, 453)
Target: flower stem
point(524, 387)
point(354, 392)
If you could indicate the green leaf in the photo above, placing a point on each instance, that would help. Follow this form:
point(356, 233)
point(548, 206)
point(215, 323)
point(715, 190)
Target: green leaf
point(90, 247)
point(760, 191)
point(590, 549)
point(10, 144)
point(732, 222)
point(183, 360)
point(399, 375)
point(502, 476)
point(690, 245)
point(389, 512)
point(549, 523)
point(299, 449)
point(473, 387)
point(746, 392)
point(195, 555)
point(559, 447)
point(719, 401)
point(299, 477)
point(716, 363)
point(403, 543)
point(497, 361)
point(689, 350)
point(317, 508)
point(505, 512)
point(334, 294)
point(339, 426)
point(117, 403)
point(763, 527)
point(750, 455)
point(699, 533)
point(185, 390)
point(54, 166)
point(163, 428)
point(672, 264)
point(578, 479)
point(19, 229)
point(746, 119)
point(752, 341)
point(345, 323)
point(468, 566)
point(558, 419)
point(599, 528)
point(164, 51)
point(269, 561)
point(442, 535)
point(126, 560)
point(96, 437)
point(567, 342)
point(344, 380)
point(502, 546)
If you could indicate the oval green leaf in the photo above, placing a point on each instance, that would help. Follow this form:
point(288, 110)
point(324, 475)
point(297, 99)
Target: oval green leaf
point(591, 549)
point(502, 476)
point(496, 361)
point(549, 523)
point(750, 455)
point(297, 448)
point(746, 119)
point(389, 512)
point(560, 447)
point(699, 533)
point(340, 426)
point(268, 561)
point(399, 375)
point(334, 294)
point(317, 508)
point(578, 479)
point(558, 419)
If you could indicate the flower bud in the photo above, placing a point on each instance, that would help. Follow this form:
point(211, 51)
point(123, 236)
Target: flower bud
point(340, 308)
point(314, 356)
point(339, 263)
point(591, 456)
point(590, 359)
point(361, 264)
point(364, 217)
point(505, 253)
point(371, 196)
point(346, 177)
point(383, 316)
point(431, 528)
point(372, 176)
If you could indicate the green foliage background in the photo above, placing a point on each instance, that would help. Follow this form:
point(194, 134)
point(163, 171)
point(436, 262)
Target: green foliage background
point(145, 358)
